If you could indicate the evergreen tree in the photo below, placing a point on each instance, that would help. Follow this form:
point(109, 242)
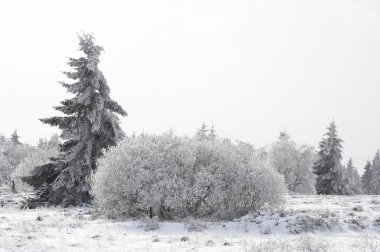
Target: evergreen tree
point(212, 132)
point(53, 142)
point(41, 143)
point(353, 178)
point(367, 179)
point(282, 157)
point(202, 132)
point(327, 167)
point(2, 139)
point(15, 138)
point(90, 125)
point(375, 183)
point(284, 136)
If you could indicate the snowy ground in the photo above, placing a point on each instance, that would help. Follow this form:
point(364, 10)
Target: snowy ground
point(306, 223)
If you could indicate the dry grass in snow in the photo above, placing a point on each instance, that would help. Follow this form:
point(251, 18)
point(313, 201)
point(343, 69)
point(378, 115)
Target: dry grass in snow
point(305, 224)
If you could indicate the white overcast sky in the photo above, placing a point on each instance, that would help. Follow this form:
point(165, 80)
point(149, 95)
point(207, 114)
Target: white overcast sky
point(252, 67)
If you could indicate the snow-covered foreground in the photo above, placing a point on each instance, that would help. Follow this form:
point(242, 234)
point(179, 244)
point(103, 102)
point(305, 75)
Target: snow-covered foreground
point(306, 223)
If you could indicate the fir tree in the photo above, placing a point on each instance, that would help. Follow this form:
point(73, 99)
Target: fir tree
point(327, 167)
point(53, 142)
point(41, 143)
point(15, 138)
point(212, 132)
point(90, 124)
point(202, 132)
point(353, 178)
point(375, 183)
point(367, 179)
point(284, 136)
point(2, 139)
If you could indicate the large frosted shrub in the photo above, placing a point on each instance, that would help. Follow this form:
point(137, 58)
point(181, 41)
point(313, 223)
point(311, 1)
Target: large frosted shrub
point(172, 177)
point(295, 163)
point(11, 155)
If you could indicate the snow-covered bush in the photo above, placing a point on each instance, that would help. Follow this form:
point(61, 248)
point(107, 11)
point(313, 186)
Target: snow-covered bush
point(308, 243)
point(195, 225)
point(295, 163)
point(33, 159)
point(11, 155)
point(313, 222)
point(173, 177)
point(150, 224)
point(16, 153)
point(358, 222)
point(6, 168)
point(275, 245)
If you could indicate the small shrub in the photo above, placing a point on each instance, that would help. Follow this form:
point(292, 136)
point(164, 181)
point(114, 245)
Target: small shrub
point(358, 209)
point(304, 223)
point(244, 226)
point(376, 222)
point(195, 225)
point(327, 214)
point(150, 224)
point(272, 246)
point(311, 244)
point(370, 242)
point(266, 230)
point(375, 202)
point(184, 239)
point(209, 243)
point(282, 214)
point(357, 223)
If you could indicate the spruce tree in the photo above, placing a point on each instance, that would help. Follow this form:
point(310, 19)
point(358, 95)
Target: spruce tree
point(2, 139)
point(284, 136)
point(53, 142)
point(375, 183)
point(212, 132)
point(41, 143)
point(90, 124)
point(202, 132)
point(367, 179)
point(327, 167)
point(15, 138)
point(353, 178)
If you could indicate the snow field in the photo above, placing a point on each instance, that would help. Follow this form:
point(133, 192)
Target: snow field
point(305, 223)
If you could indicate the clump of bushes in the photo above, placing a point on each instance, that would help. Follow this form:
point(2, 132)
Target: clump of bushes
point(176, 177)
point(358, 223)
point(358, 209)
point(309, 222)
point(312, 244)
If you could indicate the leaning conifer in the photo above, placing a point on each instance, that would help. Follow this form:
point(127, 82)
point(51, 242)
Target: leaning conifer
point(89, 125)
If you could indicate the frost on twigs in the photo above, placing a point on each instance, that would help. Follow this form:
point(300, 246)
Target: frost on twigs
point(195, 225)
point(173, 177)
point(150, 224)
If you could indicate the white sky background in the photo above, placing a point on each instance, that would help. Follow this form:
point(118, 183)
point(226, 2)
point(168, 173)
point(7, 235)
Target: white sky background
point(252, 67)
